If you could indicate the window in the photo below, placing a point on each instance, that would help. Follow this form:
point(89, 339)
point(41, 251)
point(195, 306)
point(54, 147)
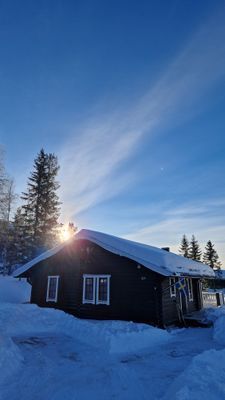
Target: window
point(172, 287)
point(89, 290)
point(52, 288)
point(102, 290)
point(190, 288)
point(96, 289)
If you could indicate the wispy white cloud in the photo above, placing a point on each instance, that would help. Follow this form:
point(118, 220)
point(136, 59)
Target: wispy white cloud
point(206, 221)
point(91, 161)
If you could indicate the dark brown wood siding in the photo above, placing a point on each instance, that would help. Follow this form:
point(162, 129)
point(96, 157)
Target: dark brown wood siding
point(135, 291)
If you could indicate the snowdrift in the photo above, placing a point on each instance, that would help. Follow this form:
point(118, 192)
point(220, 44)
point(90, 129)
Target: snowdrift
point(112, 337)
point(203, 378)
point(116, 337)
point(217, 316)
point(205, 374)
point(14, 290)
point(27, 320)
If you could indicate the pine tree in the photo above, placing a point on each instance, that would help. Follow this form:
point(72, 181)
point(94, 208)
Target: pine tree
point(194, 249)
point(184, 247)
point(41, 209)
point(210, 256)
point(18, 250)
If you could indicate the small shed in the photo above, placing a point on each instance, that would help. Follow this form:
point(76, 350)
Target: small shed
point(99, 276)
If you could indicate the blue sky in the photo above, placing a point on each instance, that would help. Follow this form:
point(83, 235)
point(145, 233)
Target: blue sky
point(131, 97)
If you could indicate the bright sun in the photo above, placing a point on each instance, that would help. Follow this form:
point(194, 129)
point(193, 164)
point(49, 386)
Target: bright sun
point(65, 234)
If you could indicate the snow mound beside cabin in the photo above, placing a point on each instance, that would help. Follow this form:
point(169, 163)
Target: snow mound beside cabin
point(217, 316)
point(204, 377)
point(219, 326)
point(219, 330)
point(127, 337)
point(115, 337)
point(14, 290)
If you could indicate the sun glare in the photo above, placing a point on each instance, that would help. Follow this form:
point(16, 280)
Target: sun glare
point(65, 234)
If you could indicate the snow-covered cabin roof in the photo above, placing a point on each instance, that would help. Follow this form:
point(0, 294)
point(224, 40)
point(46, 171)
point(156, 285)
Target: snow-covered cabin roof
point(158, 260)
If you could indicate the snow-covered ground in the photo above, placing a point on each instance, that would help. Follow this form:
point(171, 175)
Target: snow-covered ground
point(46, 354)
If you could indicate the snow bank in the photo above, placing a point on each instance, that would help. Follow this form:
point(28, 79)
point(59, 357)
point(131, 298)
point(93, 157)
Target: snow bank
point(10, 357)
point(115, 337)
point(217, 316)
point(11, 291)
point(14, 290)
point(219, 330)
point(204, 377)
point(205, 374)
point(133, 338)
point(121, 337)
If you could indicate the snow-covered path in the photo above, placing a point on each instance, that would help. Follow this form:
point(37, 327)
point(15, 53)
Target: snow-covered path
point(56, 367)
point(60, 367)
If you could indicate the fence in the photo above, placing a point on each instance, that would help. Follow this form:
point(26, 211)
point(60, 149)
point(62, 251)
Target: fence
point(213, 299)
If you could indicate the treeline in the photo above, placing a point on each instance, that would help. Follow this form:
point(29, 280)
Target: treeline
point(191, 249)
point(34, 227)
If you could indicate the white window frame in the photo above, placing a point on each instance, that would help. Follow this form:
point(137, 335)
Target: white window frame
point(190, 289)
point(95, 299)
point(55, 299)
point(84, 300)
point(108, 289)
point(173, 291)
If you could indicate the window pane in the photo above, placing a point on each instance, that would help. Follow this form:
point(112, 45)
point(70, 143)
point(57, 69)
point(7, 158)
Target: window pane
point(89, 289)
point(102, 289)
point(172, 287)
point(52, 288)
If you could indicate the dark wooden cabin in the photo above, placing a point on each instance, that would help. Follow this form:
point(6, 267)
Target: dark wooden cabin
point(99, 276)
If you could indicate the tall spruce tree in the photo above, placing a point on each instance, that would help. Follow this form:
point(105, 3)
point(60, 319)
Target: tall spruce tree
point(41, 209)
point(184, 247)
point(210, 256)
point(194, 249)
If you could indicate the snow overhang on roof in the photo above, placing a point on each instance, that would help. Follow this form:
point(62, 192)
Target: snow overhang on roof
point(157, 260)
